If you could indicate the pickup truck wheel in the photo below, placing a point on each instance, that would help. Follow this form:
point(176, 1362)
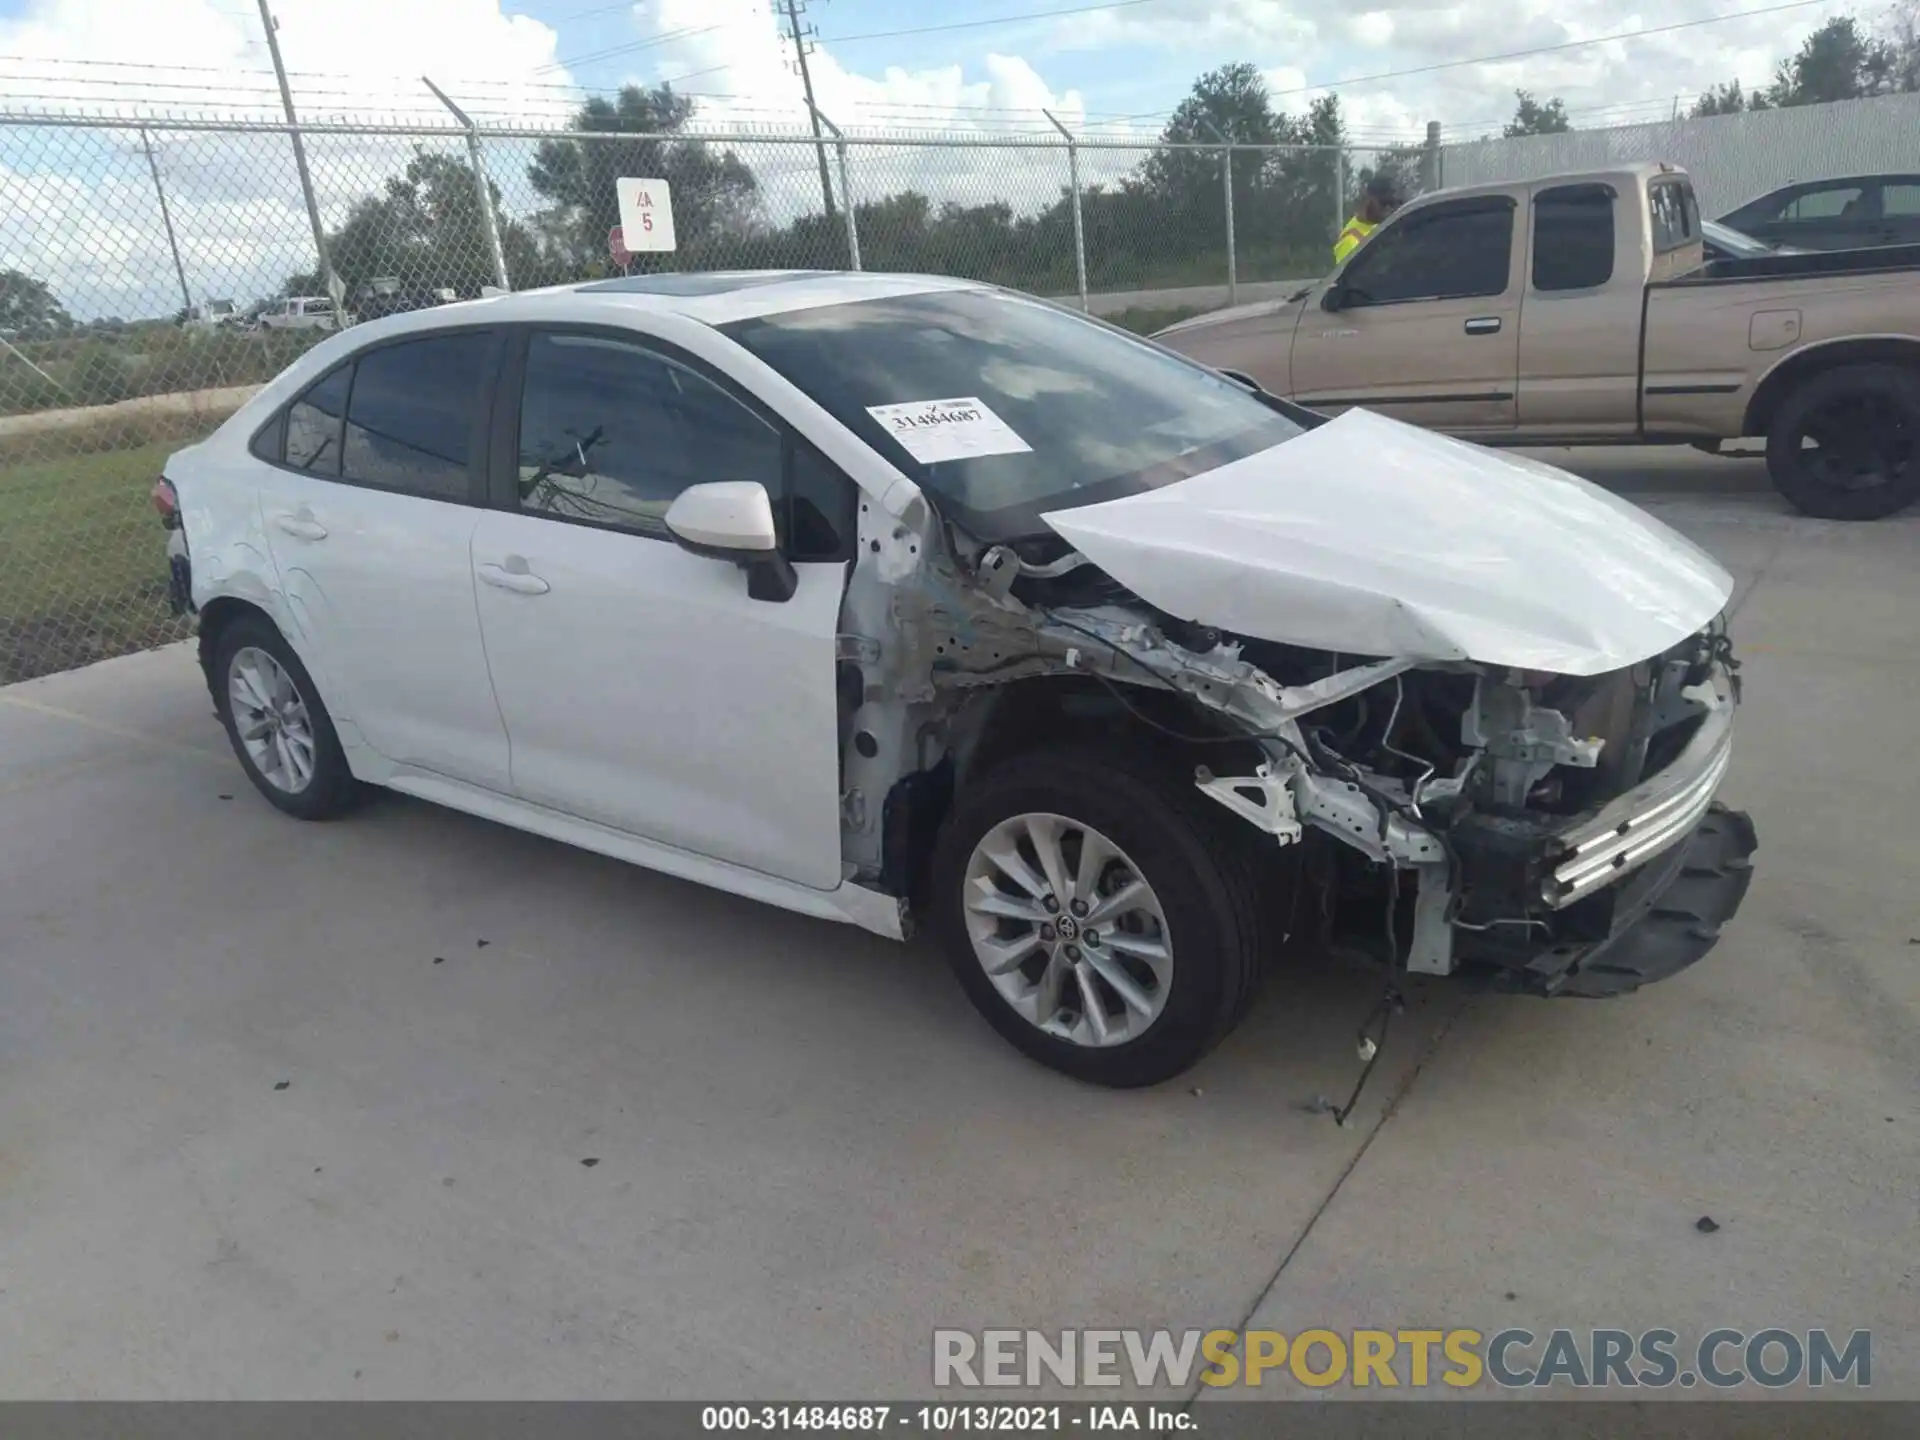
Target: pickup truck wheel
point(1096, 914)
point(280, 730)
point(1845, 445)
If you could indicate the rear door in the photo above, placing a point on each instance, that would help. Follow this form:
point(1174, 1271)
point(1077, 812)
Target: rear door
point(370, 499)
point(643, 687)
point(1428, 325)
point(1580, 324)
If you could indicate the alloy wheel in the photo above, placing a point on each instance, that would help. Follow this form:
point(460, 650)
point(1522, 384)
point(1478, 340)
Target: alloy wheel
point(271, 718)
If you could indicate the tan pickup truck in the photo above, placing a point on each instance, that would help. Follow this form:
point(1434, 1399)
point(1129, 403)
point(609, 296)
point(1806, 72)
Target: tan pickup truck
point(1579, 310)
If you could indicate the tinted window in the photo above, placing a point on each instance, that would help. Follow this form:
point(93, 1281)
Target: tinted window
point(1066, 411)
point(612, 433)
point(1900, 200)
point(1836, 202)
point(1448, 251)
point(313, 424)
point(819, 507)
point(1675, 215)
point(1573, 237)
point(411, 419)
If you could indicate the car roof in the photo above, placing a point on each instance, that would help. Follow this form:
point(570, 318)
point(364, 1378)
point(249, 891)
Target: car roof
point(712, 297)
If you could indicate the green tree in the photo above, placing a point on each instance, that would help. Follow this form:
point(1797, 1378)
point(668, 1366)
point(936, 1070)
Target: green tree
point(28, 307)
point(714, 193)
point(1727, 99)
point(1530, 117)
point(426, 231)
point(1837, 62)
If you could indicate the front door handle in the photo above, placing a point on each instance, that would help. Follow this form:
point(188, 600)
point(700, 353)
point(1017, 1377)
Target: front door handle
point(1483, 325)
point(300, 524)
point(514, 576)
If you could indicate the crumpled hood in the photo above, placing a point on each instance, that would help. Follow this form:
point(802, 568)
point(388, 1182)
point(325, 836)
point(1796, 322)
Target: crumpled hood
point(1372, 537)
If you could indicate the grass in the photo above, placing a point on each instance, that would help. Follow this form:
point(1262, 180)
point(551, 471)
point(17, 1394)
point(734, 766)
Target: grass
point(82, 560)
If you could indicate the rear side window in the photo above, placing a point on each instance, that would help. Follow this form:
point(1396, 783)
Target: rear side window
point(1902, 200)
point(413, 413)
point(1447, 252)
point(1675, 214)
point(314, 421)
point(1573, 237)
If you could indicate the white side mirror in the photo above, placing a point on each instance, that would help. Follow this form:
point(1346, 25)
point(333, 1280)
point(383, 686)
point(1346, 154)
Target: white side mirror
point(733, 520)
point(724, 517)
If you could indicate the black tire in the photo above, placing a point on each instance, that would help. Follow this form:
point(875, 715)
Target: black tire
point(332, 790)
point(1180, 846)
point(1867, 420)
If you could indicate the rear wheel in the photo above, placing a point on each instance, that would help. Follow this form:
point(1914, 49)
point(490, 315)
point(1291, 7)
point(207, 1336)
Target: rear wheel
point(279, 728)
point(1096, 914)
point(1846, 444)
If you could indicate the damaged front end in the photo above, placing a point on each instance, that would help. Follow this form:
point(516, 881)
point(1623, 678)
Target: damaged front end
point(1537, 832)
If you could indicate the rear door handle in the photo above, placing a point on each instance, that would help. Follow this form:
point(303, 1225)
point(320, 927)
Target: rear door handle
point(300, 524)
point(1483, 325)
point(514, 576)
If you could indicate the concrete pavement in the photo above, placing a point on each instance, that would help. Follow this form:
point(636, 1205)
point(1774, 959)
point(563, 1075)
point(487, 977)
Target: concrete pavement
point(307, 1111)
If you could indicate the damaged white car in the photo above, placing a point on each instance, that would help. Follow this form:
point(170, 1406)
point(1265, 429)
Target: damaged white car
point(899, 599)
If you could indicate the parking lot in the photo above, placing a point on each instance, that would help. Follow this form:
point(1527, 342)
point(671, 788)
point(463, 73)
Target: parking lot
point(414, 1105)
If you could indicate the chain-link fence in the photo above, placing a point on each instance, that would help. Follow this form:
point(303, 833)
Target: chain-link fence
point(152, 274)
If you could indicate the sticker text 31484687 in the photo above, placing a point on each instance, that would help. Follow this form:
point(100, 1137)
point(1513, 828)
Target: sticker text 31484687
point(934, 430)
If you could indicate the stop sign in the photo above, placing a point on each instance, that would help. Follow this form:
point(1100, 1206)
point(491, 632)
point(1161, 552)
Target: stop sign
point(617, 246)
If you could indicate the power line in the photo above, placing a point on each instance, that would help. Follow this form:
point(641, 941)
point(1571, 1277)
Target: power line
point(686, 32)
point(1550, 49)
point(978, 24)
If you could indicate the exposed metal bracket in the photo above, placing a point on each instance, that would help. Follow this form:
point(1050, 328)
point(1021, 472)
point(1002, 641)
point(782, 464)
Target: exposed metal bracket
point(1262, 801)
point(856, 647)
point(1431, 952)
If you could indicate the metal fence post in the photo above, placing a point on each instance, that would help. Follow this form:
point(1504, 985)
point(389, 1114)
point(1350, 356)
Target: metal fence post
point(1226, 185)
point(489, 225)
point(166, 219)
point(335, 290)
point(847, 206)
point(1339, 192)
point(1079, 228)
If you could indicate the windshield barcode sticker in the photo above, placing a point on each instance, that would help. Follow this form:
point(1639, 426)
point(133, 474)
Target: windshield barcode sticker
point(935, 430)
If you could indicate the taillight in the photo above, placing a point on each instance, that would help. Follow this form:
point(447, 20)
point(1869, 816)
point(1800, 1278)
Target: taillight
point(167, 501)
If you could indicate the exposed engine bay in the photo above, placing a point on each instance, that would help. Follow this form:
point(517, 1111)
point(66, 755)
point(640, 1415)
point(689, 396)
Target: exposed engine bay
point(1434, 817)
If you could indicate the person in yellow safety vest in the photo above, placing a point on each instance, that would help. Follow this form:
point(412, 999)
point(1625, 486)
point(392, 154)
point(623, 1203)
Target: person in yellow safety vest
point(1379, 200)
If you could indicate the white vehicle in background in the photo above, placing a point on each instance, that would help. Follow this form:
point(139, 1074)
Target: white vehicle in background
point(896, 599)
point(300, 312)
point(211, 315)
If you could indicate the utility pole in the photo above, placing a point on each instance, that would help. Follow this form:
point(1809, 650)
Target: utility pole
point(327, 277)
point(801, 49)
point(166, 218)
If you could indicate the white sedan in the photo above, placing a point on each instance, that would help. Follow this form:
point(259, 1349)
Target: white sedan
point(895, 598)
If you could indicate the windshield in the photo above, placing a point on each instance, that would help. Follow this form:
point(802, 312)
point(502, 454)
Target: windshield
point(1003, 408)
point(1733, 242)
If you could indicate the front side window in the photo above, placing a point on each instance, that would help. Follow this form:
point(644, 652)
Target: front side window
point(1447, 252)
point(1832, 202)
point(1003, 408)
point(612, 432)
point(314, 423)
point(1572, 237)
point(412, 415)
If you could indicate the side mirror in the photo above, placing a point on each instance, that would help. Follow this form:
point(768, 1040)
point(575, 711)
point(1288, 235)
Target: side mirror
point(733, 520)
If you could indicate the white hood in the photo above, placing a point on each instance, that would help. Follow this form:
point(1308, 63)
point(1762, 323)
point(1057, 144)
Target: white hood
point(1372, 537)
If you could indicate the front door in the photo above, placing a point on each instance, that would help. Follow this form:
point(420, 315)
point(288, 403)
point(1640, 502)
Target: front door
point(643, 688)
point(1427, 322)
point(370, 501)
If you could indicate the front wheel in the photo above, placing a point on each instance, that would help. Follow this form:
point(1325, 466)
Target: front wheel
point(1097, 914)
point(1845, 445)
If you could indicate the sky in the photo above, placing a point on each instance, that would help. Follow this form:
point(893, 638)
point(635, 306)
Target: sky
point(1117, 67)
point(79, 205)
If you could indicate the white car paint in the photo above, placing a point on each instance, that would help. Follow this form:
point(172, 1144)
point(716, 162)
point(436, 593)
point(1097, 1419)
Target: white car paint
point(1372, 537)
